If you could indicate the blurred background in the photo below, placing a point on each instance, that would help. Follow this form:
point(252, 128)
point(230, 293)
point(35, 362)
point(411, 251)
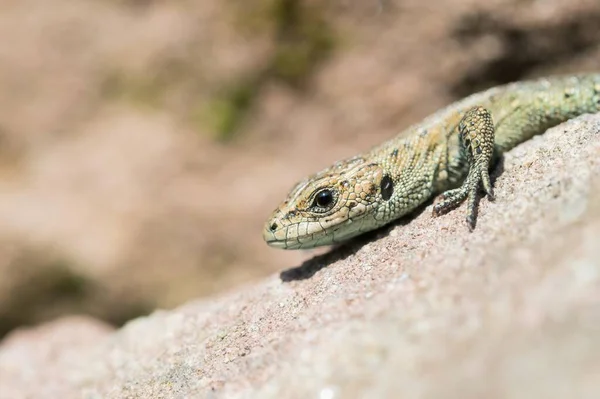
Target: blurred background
point(143, 143)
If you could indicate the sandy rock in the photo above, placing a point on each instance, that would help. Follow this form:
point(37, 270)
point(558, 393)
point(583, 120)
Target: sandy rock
point(46, 351)
point(422, 309)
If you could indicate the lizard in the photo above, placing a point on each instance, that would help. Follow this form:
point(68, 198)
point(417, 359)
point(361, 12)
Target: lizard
point(450, 153)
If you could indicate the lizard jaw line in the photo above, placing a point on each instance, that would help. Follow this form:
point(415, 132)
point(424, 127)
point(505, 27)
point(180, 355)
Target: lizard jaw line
point(283, 244)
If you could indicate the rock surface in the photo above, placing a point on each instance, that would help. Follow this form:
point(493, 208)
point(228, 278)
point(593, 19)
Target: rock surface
point(422, 309)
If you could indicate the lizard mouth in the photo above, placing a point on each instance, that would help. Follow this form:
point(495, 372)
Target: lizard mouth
point(282, 244)
point(275, 243)
point(278, 238)
point(270, 237)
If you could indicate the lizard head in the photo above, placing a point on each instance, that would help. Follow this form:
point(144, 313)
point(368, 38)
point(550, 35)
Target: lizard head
point(333, 205)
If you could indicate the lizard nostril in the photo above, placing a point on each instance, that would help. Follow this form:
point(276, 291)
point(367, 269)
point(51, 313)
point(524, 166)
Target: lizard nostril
point(273, 227)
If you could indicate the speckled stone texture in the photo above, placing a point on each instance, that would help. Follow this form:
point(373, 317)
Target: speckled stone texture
point(424, 309)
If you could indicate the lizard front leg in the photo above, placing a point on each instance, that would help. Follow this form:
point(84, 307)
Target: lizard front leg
point(476, 130)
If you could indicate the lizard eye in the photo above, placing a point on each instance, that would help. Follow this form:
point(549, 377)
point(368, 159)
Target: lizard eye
point(324, 199)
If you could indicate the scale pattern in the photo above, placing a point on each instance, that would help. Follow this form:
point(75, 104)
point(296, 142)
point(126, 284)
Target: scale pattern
point(449, 153)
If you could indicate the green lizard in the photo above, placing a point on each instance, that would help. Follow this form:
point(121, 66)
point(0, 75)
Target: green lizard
point(449, 152)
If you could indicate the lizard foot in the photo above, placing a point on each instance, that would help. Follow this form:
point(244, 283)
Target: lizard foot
point(476, 131)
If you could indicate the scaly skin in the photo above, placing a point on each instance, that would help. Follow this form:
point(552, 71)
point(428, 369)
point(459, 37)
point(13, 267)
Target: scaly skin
point(449, 152)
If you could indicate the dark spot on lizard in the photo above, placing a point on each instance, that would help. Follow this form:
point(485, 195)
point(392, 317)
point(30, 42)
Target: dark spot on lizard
point(372, 190)
point(394, 153)
point(352, 204)
point(291, 214)
point(273, 227)
point(467, 141)
point(387, 187)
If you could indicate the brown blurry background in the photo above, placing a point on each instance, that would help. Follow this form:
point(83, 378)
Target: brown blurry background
point(143, 143)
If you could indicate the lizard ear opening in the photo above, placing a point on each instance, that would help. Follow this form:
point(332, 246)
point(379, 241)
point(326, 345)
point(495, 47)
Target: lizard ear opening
point(387, 187)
